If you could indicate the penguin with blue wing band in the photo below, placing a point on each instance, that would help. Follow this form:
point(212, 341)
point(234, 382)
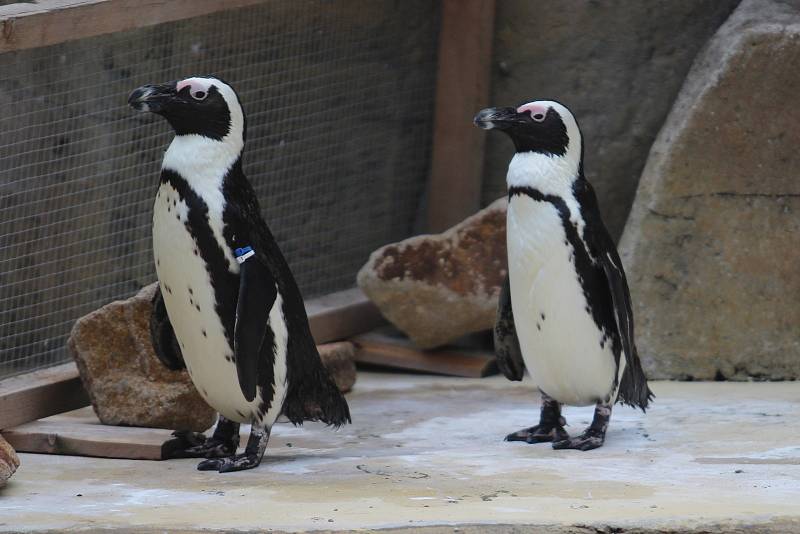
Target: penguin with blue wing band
point(228, 307)
point(565, 310)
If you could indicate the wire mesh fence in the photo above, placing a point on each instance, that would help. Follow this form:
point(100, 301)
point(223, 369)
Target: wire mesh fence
point(339, 100)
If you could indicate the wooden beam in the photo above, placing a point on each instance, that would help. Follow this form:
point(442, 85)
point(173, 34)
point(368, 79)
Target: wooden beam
point(379, 349)
point(80, 433)
point(342, 315)
point(462, 89)
point(40, 394)
point(50, 22)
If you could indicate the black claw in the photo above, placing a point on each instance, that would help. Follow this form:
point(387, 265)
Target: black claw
point(539, 434)
point(585, 442)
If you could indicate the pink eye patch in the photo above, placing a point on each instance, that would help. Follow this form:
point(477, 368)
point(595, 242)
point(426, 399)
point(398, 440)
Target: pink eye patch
point(538, 111)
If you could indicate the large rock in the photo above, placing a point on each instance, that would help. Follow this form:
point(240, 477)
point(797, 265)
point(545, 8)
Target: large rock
point(126, 382)
point(436, 288)
point(339, 360)
point(9, 461)
point(711, 245)
point(617, 65)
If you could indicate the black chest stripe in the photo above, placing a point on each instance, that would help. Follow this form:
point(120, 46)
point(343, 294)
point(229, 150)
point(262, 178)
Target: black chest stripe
point(224, 283)
point(590, 274)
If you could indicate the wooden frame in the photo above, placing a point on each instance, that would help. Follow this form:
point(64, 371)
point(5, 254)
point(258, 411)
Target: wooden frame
point(50, 22)
point(455, 174)
point(462, 89)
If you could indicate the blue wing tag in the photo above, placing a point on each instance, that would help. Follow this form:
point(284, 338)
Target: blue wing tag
point(243, 253)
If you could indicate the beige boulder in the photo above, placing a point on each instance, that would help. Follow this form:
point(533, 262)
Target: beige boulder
point(711, 245)
point(339, 360)
point(126, 382)
point(436, 288)
point(9, 461)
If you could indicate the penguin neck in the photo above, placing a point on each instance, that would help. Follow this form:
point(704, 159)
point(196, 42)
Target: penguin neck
point(549, 175)
point(203, 162)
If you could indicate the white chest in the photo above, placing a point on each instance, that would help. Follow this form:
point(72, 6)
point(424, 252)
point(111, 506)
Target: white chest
point(561, 344)
point(191, 301)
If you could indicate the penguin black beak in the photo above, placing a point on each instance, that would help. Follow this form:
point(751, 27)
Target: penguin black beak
point(496, 118)
point(152, 98)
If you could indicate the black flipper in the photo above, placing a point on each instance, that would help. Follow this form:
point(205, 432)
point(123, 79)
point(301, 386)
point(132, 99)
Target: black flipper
point(506, 343)
point(312, 394)
point(165, 344)
point(257, 292)
point(633, 389)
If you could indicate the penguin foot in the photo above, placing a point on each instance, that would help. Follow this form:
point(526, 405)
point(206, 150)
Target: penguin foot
point(590, 439)
point(594, 436)
point(237, 462)
point(251, 458)
point(186, 444)
point(540, 433)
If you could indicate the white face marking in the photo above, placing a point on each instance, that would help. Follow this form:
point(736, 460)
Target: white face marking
point(198, 87)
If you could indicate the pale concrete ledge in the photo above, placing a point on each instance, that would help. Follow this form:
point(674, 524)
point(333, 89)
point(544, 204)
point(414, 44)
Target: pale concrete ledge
point(428, 451)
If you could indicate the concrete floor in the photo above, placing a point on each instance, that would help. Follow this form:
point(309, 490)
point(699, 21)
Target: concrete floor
point(428, 451)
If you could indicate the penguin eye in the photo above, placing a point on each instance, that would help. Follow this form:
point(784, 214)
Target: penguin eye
point(199, 95)
point(538, 116)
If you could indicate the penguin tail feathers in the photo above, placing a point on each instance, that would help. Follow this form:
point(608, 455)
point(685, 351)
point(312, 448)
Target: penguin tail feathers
point(633, 388)
point(317, 399)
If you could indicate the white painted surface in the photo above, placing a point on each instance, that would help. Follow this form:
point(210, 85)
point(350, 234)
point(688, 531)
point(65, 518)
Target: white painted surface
point(428, 451)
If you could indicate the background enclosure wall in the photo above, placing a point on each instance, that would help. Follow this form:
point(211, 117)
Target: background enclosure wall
point(339, 100)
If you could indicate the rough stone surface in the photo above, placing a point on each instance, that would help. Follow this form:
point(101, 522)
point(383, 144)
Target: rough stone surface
point(436, 288)
point(339, 360)
point(425, 451)
point(126, 382)
point(9, 461)
point(711, 245)
point(617, 65)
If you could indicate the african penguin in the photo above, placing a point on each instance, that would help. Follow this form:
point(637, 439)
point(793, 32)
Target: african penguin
point(228, 307)
point(565, 308)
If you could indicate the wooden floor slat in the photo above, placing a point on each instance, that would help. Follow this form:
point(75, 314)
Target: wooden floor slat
point(390, 351)
point(80, 433)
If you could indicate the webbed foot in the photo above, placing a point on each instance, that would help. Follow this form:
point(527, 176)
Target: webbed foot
point(539, 434)
point(550, 427)
point(186, 444)
point(251, 457)
point(594, 436)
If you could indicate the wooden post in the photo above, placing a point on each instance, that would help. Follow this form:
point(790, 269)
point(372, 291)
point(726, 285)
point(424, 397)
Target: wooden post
point(462, 89)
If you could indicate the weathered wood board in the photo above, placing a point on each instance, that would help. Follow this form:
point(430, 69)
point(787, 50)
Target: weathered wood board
point(80, 433)
point(380, 349)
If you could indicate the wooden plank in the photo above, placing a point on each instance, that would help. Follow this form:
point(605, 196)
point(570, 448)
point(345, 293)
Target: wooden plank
point(380, 349)
point(80, 433)
point(462, 89)
point(40, 394)
point(50, 22)
point(342, 315)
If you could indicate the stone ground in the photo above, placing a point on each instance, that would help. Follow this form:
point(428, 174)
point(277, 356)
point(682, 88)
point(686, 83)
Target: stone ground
point(427, 451)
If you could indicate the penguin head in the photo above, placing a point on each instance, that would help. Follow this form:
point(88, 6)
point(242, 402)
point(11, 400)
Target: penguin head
point(543, 126)
point(202, 105)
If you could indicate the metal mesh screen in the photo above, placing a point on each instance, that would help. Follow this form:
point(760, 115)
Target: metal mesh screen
point(338, 97)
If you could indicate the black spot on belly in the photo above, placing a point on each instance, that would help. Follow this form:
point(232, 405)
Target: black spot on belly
point(240, 414)
point(542, 314)
point(197, 306)
point(204, 334)
point(178, 217)
point(538, 326)
point(169, 289)
point(195, 252)
point(190, 291)
point(174, 202)
point(169, 209)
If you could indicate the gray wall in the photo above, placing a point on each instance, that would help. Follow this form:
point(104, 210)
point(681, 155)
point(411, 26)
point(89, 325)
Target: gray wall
point(617, 65)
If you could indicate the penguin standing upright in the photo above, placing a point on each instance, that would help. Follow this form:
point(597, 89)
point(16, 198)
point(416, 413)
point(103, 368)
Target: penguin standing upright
point(227, 307)
point(565, 308)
